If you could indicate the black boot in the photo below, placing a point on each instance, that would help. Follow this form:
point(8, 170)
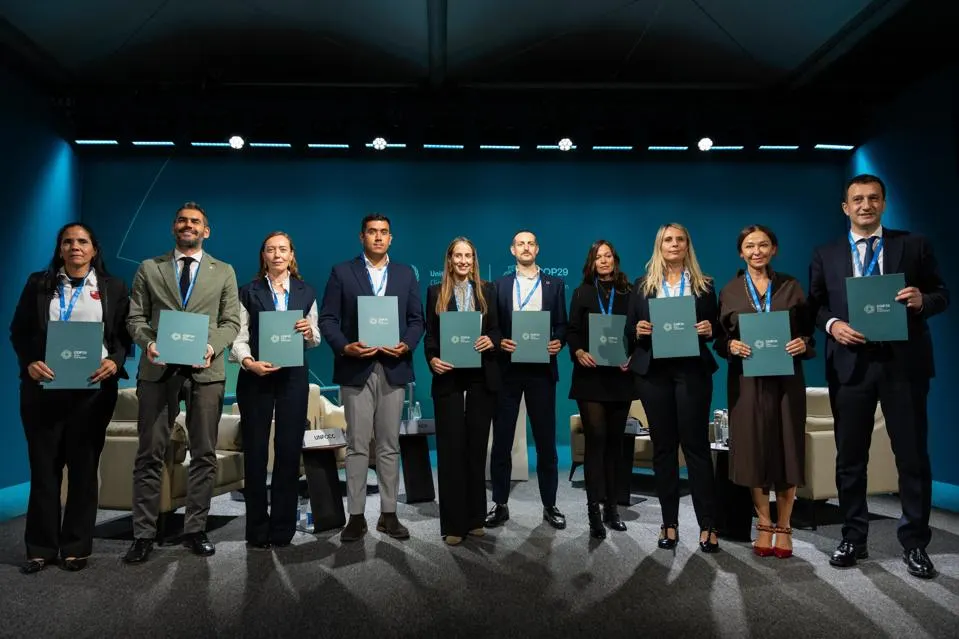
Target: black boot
point(596, 528)
point(611, 517)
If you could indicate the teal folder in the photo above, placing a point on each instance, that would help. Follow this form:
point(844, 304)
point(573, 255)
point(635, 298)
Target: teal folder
point(674, 326)
point(766, 334)
point(531, 332)
point(873, 309)
point(379, 320)
point(607, 339)
point(280, 344)
point(182, 337)
point(458, 332)
point(74, 352)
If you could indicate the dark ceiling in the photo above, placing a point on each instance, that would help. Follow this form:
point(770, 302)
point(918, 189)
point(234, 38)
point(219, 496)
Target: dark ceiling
point(611, 71)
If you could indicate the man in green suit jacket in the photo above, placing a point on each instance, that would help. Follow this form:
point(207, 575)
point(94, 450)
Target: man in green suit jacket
point(186, 279)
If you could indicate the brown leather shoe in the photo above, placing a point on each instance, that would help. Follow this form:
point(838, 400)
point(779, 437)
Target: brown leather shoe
point(389, 524)
point(355, 528)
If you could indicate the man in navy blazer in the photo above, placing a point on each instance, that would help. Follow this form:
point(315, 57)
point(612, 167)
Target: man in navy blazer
point(527, 289)
point(896, 374)
point(373, 380)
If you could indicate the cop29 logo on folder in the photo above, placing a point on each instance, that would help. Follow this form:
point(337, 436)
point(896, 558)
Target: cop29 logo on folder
point(68, 354)
point(460, 339)
point(276, 339)
point(183, 337)
point(379, 321)
point(532, 337)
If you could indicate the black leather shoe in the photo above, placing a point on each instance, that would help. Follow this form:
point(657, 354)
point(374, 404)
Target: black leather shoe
point(139, 551)
point(73, 564)
point(847, 554)
point(259, 545)
point(664, 540)
point(706, 545)
point(199, 544)
point(497, 516)
point(611, 517)
point(355, 528)
point(554, 518)
point(390, 524)
point(918, 563)
point(32, 566)
point(596, 528)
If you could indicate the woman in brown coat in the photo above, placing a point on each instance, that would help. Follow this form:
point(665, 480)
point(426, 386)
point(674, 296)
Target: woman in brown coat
point(767, 415)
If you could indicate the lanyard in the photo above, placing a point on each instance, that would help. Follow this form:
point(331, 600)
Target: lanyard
point(67, 311)
point(378, 289)
point(469, 293)
point(524, 303)
point(612, 295)
point(754, 294)
point(189, 291)
point(276, 300)
point(682, 286)
point(857, 261)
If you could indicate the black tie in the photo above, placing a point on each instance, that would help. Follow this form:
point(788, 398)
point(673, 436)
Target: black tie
point(185, 278)
point(870, 253)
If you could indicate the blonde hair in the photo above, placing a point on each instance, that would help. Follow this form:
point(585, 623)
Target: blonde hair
point(656, 266)
point(446, 287)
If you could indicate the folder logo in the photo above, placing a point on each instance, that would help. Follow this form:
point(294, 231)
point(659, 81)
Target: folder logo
point(66, 354)
point(869, 309)
point(759, 343)
point(379, 321)
point(276, 339)
point(532, 337)
point(183, 337)
point(667, 326)
point(457, 339)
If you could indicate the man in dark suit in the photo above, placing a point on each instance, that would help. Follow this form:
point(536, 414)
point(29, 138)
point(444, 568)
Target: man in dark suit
point(896, 374)
point(373, 379)
point(528, 289)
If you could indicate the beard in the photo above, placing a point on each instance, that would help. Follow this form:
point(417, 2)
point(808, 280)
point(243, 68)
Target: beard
point(188, 243)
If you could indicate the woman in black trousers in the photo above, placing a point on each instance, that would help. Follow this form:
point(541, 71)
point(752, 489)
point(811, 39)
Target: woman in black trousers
point(67, 427)
point(267, 393)
point(603, 393)
point(676, 392)
point(464, 399)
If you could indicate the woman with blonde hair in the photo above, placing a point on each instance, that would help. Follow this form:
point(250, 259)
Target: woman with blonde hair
point(464, 399)
point(677, 392)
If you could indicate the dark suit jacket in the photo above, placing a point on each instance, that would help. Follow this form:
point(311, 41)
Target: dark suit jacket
point(903, 252)
point(554, 301)
point(256, 296)
point(706, 309)
point(338, 321)
point(457, 380)
point(28, 330)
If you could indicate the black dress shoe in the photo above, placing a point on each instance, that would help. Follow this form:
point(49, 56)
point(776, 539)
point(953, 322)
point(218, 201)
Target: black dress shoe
point(706, 545)
point(259, 545)
point(918, 563)
point(139, 551)
point(847, 554)
point(611, 517)
point(32, 566)
point(596, 528)
point(73, 564)
point(355, 528)
point(553, 517)
point(497, 516)
point(199, 544)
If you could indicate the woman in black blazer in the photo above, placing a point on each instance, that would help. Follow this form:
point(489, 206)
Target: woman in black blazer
point(602, 393)
point(67, 426)
point(677, 392)
point(464, 399)
point(268, 394)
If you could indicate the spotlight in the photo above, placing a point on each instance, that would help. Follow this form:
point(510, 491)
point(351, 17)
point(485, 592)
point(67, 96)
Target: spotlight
point(565, 144)
point(237, 142)
point(379, 144)
point(705, 144)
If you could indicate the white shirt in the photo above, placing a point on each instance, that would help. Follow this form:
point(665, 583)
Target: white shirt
point(178, 267)
point(240, 349)
point(861, 247)
point(672, 290)
point(88, 307)
point(377, 274)
point(526, 284)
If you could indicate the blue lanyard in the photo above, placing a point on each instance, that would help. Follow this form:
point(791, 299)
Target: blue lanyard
point(524, 303)
point(276, 300)
point(857, 261)
point(189, 291)
point(682, 286)
point(469, 294)
point(612, 295)
point(754, 294)
point(67, 311)
point(386, 274)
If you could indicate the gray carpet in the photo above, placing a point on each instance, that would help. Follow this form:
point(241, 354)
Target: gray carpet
point(524, 580)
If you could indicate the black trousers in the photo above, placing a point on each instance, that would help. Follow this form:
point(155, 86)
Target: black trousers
point(286, 392)
point(676, 395)
point(603, 426)
point(462, 434)
point(64, 427)
point(903, 402)
point(540, 388)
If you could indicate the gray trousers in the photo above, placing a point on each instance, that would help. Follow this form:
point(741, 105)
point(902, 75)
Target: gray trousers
point(159, 405)
point(374, 409)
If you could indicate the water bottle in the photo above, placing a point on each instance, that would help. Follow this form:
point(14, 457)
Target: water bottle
point(308, 528)
point(725, 428)
point(417, 411)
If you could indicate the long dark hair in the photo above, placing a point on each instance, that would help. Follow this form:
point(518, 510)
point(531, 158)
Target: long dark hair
point(56, 262)
point(620, 281)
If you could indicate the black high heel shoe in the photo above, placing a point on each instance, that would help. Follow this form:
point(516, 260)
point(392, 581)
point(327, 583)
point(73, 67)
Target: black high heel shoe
point(704, 544)
point(596, 528)
point(664, 540)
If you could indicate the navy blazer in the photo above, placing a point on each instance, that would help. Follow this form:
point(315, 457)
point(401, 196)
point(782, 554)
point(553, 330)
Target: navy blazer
point(554, 301)
point(902, 252)
point(707, 308)
point(338, 321)
point(256, 296)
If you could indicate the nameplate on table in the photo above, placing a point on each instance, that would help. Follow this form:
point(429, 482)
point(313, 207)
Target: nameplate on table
point(280, 343)
point(324, 438)
point(531, 332)
point(873, 309)
point(417, 427)
point(73, 353)
point(378, 318)
point(182, 337)
point(674, 327)
point(635, 427)
point(607, 339)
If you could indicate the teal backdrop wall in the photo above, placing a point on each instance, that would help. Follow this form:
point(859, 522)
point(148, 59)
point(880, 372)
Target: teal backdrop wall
point(131, 202)
point(40, 191)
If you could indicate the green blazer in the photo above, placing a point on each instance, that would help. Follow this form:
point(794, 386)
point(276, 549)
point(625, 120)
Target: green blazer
point(155, 288)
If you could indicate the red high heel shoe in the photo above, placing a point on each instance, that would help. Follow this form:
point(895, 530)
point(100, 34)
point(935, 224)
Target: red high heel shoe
point(783, 553)
point(764, 551)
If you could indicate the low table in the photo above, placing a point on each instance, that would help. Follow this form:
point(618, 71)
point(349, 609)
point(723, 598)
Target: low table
point(326, 497)
point(734, 503)
point(415, 457)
